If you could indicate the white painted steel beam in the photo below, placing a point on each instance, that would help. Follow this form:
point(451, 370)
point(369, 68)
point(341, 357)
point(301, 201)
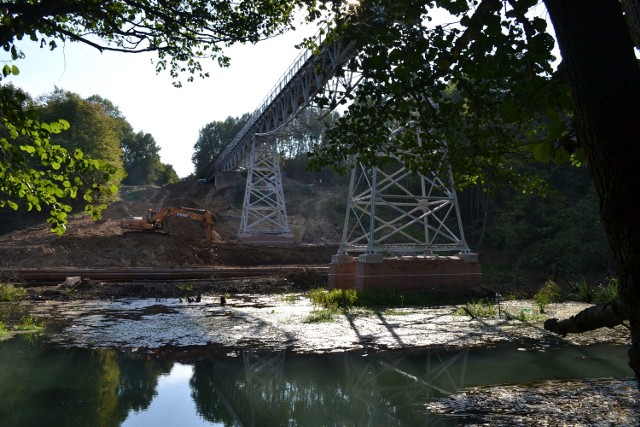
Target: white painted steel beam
point(394, 211)
point(311, 72)
point(264, 210)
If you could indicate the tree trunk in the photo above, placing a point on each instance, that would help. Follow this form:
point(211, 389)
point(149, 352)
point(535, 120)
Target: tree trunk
point(632, 11)
point(605, 84)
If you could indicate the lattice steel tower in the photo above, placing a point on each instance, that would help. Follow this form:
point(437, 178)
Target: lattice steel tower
point(264, 211)
point(395, 211)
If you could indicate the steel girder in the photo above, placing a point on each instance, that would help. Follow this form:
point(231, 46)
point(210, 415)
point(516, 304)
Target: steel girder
point(396, 211)
point(306, 77)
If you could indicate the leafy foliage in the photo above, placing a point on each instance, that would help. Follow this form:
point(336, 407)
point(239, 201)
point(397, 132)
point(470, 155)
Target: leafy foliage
point(213, 137)
point(547, 294)
point(466, 85)
point(141, 158)
point(36, 172)
point(180, 32)
point(93, 132)
point(557, 234)
point(37, 167)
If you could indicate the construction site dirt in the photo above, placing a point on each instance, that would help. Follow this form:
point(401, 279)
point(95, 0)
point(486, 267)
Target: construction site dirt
point(182, 243)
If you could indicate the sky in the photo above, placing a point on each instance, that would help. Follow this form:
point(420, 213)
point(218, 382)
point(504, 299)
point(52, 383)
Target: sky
point(149, 102)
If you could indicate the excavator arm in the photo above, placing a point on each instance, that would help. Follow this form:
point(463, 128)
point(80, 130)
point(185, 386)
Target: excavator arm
point(157, 220)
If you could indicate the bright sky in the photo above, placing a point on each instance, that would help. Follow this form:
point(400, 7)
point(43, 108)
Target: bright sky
point(148, 101)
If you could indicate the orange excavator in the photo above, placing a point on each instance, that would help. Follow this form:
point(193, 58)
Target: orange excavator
point(156, 221)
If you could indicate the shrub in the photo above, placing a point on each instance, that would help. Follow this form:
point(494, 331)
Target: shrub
point(600, 294)
point(333, 299)
point(11, 293)
point(606, 293)
point(549, 293)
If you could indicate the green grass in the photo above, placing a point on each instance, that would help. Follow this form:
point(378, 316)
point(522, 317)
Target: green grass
point(477, 309)
point(4, 331)
point(322, 315)
point(349, 298)
point(31, 325)
point(332, 299)
point(606, 292)
point(600, 294)
point(349, 302)
point(289, 298)
point(10, 293)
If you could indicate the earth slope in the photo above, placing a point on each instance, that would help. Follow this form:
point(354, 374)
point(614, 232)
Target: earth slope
point(89, 244)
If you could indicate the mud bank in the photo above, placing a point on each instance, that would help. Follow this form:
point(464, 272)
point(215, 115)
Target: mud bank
point(290, 322)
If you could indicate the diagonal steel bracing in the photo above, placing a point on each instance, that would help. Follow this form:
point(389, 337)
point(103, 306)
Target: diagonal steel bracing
point(395, 211)
point(264, 210)
point(313, 72)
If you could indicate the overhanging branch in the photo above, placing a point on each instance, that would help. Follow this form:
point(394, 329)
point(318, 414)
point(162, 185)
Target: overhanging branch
point(606, 315)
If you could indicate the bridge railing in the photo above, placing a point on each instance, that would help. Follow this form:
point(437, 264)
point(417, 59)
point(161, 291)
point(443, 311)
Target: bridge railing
point(293, 69)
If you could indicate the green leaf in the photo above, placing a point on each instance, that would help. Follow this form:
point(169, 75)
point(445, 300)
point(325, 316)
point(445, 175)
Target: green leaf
point(28, 149)
point(561, 156)
point(543, 151)
point(556, 127)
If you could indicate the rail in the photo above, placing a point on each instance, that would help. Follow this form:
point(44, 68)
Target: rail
point(31, 276)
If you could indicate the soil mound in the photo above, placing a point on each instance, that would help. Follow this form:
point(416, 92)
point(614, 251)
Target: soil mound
point(89, 244)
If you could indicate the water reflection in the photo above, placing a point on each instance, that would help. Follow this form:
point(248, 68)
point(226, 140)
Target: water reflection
point(41, 385)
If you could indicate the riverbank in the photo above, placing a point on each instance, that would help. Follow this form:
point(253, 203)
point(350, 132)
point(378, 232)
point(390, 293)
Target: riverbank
point(291, 322)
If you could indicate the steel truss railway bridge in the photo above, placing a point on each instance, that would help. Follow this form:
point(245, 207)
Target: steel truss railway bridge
point(388, 212)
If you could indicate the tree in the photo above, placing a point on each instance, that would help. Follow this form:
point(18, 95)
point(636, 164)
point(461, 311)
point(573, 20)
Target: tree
point(141, 158)
point(476, 90)
point(92, 130)
point(37, 173)
point(305, 131)
point(181, 33)
point(140, 152)
point(213, 137)
point(604, 77)
point(167, 175)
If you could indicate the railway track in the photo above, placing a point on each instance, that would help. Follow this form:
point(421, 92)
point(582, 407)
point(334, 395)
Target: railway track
point(58, 275)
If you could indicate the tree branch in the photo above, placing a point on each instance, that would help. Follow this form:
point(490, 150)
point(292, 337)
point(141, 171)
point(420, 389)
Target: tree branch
point(599, 316)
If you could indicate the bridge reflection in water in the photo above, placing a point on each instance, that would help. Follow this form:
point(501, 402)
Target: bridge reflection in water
point(41, 385)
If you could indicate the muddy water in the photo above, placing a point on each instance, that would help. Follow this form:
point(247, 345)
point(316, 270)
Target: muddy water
point(45, 385)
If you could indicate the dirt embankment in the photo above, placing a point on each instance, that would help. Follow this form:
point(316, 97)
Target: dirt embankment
point(103, 244)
